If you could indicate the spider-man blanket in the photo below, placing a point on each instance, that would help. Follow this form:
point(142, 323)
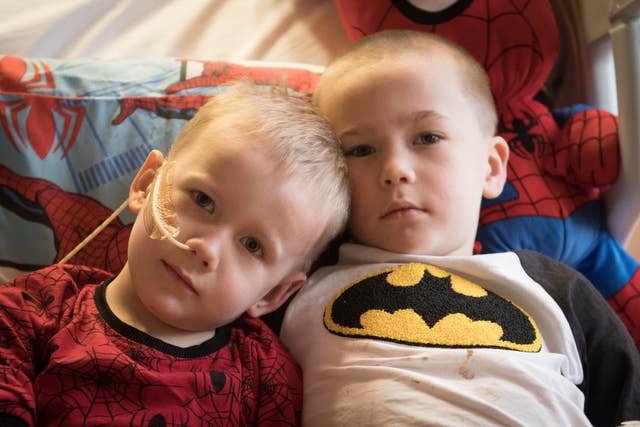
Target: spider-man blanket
point(74, 132)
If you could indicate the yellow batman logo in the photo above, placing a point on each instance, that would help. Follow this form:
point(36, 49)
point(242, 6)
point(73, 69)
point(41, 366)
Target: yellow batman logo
point(420, 304)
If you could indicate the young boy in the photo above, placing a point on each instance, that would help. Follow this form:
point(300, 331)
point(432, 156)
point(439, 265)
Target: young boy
point(410, 328)
point(226, 228)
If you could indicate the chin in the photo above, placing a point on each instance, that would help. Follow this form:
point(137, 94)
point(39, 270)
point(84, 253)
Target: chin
point(417, 248)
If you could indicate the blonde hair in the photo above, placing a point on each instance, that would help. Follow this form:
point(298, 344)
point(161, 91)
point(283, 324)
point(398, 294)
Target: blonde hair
point(389, 44)
point(302, 142)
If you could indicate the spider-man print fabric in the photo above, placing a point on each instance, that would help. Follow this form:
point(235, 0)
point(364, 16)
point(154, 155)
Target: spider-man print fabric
point(65, 360)
point(73, 133)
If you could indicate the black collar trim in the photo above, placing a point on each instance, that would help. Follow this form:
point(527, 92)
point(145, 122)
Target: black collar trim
point(208, 347)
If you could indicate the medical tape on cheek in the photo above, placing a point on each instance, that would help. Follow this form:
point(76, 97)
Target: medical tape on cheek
point(159, 216)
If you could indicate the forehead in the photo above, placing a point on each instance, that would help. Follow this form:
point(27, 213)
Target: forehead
point(424, 71)
point(397, 85)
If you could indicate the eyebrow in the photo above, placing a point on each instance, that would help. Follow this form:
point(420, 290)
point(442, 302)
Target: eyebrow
point(414, 116)
point(424, 114)
point(350, 132)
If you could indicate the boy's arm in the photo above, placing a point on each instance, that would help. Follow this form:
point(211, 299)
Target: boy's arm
point(610, 360)
point(22, 318)
point(31, 308)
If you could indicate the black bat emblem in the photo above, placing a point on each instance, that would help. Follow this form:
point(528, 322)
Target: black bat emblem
point(420, 304)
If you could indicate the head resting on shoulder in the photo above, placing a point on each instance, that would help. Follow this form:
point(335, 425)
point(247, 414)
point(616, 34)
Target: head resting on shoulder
point(301, 141)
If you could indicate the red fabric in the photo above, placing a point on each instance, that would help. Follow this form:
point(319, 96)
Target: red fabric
point(61, 363)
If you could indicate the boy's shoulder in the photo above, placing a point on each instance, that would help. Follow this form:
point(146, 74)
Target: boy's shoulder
point(555, 277)
point(57, 282)
point(584, 307)
point(256, 332)
point(252, 335)
point(60, 273)
point(535, 258)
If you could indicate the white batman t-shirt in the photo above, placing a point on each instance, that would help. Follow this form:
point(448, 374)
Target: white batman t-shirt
point(402, 340)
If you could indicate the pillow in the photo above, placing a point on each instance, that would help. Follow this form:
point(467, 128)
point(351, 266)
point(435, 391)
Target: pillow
point(73, 133)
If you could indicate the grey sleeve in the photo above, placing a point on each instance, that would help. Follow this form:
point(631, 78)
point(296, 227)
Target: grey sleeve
point(610, 360)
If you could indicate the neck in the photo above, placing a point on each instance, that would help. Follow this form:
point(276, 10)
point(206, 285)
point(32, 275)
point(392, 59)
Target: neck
point(128, 308)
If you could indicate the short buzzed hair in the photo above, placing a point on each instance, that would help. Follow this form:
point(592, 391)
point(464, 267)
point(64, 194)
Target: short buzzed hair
point(389, 44)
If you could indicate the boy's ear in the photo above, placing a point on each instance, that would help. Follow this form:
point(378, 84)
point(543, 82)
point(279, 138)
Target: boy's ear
point(143, 179)
point(278, 295)
point(497, 171)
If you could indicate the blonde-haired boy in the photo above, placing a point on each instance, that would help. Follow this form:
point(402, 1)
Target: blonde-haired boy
point(410, 328)
point(226, 227)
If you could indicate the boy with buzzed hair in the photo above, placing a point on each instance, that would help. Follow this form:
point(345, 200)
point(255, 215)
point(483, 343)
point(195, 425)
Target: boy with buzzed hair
point(226, 228)
point(410, 327)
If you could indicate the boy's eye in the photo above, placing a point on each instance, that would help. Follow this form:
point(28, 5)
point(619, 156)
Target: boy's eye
point(204, 201)
point(427, 139)
point(359, 151)
point(252, 245)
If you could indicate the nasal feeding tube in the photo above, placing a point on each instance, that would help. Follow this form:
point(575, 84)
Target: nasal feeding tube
point(159, 217)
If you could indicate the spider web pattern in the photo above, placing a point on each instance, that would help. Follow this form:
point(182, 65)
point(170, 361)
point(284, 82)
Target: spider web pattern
point(32, 307)
point(95, 376)
point(71, 217)
point(217, 73)
point(585, 153)
point(626, 304)
point(97, 386)
point(554, 179)
point(272, 388)
point(214, 74)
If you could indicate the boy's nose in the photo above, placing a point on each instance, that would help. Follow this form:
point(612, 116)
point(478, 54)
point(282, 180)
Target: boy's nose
point(206, 250)
point(397, 170)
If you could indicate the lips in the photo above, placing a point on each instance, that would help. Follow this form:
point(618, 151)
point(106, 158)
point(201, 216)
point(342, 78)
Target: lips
point(180, 276)
point(398, 210)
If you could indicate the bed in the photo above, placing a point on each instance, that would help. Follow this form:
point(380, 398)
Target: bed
point(88, 87)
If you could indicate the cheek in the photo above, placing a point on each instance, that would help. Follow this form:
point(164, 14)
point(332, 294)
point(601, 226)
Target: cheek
point(361, 180)
point(358, 228)
point(362, 219)
point(362, 201)
point(138, 234)
point(237, 277)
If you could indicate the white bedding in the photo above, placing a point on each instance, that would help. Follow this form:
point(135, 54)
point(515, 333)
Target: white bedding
point(306, 31)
